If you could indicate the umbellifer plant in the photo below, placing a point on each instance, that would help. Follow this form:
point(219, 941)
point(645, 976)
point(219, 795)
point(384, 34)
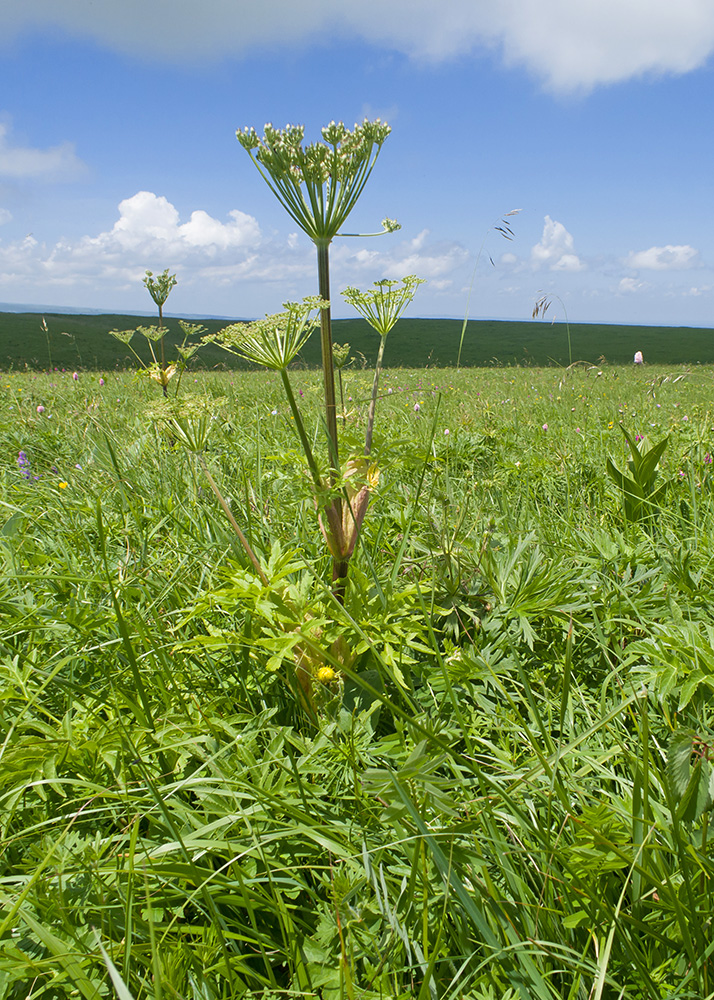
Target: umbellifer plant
point(157, 369)
point(381, 307)
point(319, 185)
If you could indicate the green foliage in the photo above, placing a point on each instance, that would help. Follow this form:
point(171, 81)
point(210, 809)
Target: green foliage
point(486, 775)
point(417, 343)
point(641, 497)
point(691, 782)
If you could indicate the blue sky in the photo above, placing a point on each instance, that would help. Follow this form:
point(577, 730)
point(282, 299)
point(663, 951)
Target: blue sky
point(593, 117)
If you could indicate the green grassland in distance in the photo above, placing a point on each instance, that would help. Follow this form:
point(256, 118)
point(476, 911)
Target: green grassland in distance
point(83, 341)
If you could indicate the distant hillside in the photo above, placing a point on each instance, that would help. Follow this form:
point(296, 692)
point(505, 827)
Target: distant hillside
point(83, 341)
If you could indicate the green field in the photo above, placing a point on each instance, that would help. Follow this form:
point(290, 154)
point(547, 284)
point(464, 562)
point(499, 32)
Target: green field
point(82, 341)
point(488, 775)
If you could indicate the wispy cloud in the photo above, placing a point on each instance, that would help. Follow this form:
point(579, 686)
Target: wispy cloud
point(629, 286)
point(667, 258)
point(18, 162)
point(569, 46)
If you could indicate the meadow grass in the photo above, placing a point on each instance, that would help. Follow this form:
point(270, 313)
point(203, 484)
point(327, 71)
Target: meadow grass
point(485, 776)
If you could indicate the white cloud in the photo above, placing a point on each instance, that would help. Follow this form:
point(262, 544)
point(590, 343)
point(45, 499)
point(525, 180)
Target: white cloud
point(382, 259)
point(667, 258)
point(569, 262)
point(208, 254)
point(629, 285)
point(148, 233)
point(150, 222)
point(23, 162)
point(555, 249)
point(569, 45)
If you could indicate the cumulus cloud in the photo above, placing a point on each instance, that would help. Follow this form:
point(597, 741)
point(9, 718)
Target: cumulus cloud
point(555, 249)
point(570, 46)
point(147, 233)
point(146, 218)
point(23, 162)
point(667, 258)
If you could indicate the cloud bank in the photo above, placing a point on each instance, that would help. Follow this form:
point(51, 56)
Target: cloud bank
point(208, 254)
point(569, 46)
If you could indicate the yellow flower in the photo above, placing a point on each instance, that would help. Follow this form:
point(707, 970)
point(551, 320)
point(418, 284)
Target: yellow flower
point(63, 486)
point(325, 675)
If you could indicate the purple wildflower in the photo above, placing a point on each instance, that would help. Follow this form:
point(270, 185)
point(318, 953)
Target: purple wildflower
point(24, 464)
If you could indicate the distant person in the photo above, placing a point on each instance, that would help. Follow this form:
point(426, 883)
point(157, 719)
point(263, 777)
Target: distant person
point(639, 360)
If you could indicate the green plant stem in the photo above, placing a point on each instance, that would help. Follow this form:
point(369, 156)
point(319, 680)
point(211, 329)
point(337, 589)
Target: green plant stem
point(315, 472)
point(229, 514)
point(163, 356)
point(342, 399)
point(373, 401)
point(328, 371)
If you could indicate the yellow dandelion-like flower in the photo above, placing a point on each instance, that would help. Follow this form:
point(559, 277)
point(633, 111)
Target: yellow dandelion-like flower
point(325, 675)
point(63, 486)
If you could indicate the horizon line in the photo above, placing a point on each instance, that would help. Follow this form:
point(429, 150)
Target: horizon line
point(22, 307)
